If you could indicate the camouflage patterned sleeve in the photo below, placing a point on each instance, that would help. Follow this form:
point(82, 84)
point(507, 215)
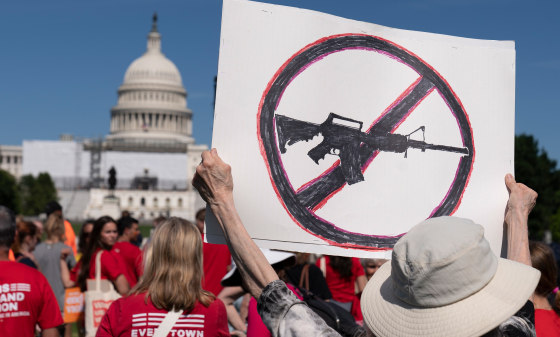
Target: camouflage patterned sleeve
point(286, 316)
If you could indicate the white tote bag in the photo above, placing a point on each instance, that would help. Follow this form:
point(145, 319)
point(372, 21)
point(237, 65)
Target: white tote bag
point(98, 297)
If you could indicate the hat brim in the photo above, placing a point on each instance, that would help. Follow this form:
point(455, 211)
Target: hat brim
point(503, 296)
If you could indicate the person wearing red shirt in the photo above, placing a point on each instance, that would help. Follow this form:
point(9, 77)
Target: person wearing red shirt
point(343, 276)
point(25, 295)
point(103, 238)
point(547, 321)
point(172, 281)
point(130, 254)
point(216, 259)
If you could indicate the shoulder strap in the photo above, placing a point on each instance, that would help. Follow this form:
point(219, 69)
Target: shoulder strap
point(167, 323)
point(98, 270)
point(304, 277)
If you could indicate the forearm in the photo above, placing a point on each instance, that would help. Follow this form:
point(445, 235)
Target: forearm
point(122, 285)
point(228, 295)
point(518, 237)
point(361, 281)
point(234, 318)
point(521, 201)
point(65, 275)
point(253, 266)
point(50, 332)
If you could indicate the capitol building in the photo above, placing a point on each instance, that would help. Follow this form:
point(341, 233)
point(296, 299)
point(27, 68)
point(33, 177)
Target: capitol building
point(150, 146)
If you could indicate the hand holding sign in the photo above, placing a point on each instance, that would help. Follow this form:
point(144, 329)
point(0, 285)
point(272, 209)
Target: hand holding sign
point(213, 179)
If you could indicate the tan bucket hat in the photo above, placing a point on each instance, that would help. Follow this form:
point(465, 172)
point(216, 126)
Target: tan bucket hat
point(444, 280)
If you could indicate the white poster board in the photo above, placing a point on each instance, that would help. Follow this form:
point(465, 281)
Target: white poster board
point(436, 133)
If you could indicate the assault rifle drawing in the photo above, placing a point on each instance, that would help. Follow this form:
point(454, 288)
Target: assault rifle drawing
point(343, 136)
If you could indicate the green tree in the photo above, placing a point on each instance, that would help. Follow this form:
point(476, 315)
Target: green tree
point(45, 190)
point(9, 194)
point(26, 190)
point(36, 193)
point(535, 169)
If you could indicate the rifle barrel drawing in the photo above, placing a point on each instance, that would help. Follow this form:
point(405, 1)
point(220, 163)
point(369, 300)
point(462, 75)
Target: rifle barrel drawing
point(417, 144)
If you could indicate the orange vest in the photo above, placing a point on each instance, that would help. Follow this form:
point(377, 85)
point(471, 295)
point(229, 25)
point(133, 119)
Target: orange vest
point(70, 236)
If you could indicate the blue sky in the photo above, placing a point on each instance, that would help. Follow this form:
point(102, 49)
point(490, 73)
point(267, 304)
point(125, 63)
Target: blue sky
point(62, 61)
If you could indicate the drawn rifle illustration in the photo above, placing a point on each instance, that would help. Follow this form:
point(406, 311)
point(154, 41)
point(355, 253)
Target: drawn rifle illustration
point(343, 136)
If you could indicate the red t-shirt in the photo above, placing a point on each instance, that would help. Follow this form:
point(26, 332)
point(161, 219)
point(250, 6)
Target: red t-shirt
point(132, 316)
point(547, 323)
point(343, 290)
point(216, 260)
point(132, 257)
point(112, 265)
point(26, 299)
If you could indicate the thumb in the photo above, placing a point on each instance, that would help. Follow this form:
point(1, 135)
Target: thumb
point(510, 181)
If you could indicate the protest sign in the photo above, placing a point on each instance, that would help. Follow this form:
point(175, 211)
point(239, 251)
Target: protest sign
point(73, 304)
point(342, 135)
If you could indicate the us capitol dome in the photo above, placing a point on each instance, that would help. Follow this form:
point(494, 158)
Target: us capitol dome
point(151, 112)
point(150, 149)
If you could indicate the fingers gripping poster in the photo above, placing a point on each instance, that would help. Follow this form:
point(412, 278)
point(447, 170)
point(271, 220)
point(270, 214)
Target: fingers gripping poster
point(342, 135)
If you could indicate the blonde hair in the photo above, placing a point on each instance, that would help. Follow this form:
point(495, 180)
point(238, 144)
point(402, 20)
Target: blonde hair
point(54, 227)
point(173, 267)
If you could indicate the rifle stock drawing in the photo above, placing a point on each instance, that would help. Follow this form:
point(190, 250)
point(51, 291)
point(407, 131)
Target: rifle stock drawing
point(343, 136)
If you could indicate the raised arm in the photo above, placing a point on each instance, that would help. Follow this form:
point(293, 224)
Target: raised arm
point(521, 201)
point(214, 182)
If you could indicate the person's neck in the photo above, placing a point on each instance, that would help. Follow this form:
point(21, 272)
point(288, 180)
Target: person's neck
point(53, 239)
point(105, 247)
point(4, 254)
point(24, 249)
point(123, 238)
point(541, 302)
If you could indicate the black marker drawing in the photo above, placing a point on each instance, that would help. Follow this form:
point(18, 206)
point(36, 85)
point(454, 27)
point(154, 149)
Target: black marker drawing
point(301, 204)
point(344, 140)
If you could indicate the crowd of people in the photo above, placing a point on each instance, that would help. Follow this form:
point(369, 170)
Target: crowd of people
point(442, 280)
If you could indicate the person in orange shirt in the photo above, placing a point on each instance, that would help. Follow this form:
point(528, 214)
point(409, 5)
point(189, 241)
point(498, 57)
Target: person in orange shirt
point(54, 207)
